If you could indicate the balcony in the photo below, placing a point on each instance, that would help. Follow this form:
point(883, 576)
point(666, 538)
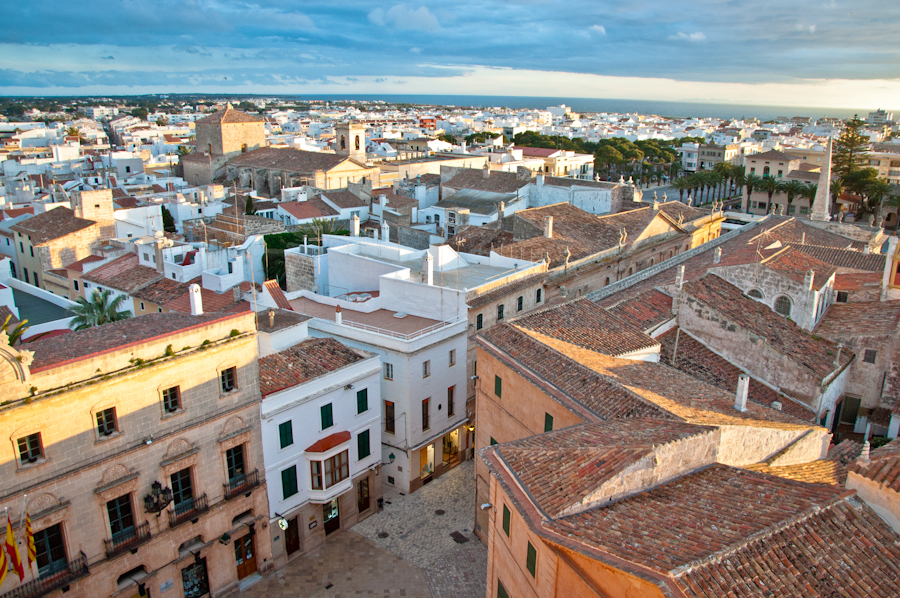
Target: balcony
point(127, 540)
point(53, 579)
point(241, 484)
point(189, 509)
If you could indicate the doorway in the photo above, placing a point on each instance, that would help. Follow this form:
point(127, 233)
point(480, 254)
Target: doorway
point(362, 495)
point(332, 516)
point(451, 447)
point(292, 536)
point(426, 462)
point(244, 556)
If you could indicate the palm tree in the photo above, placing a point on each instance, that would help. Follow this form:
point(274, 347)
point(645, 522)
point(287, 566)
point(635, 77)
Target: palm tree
point(184, 150)
point(752, 182)
point(770, 186)
point(877, 192)
point(893, 201)
point(792, 188)
point(14, 335)
point(682, 183)
point(837, 188)
point(737, 177)
point(98, 310)
point(319, 227)
point(723, 169)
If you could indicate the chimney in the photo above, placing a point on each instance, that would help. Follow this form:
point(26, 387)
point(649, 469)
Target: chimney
point(548, 227)
point(486, 171)
point(837, 358)
point(740, 398)
point(196, 300)
point(808, 280)
point(337, 314)
point(383, 200)
point(271, 318)
point(354, 227)
point(866, 249)
point(676, 293)
point(717, 255)
point(157, 250)
point(385, 231)
point(776, 405)
point(501, 207)
point(236, 293)
point(539, 180)
point(428, 269)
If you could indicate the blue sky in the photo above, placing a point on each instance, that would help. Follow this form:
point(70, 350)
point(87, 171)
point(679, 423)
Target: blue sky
point(822, 52)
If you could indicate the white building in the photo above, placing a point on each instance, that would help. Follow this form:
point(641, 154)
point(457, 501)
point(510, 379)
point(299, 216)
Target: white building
point(321, 423)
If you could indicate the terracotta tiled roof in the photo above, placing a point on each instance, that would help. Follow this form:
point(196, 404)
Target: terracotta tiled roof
point(127, 202)
point(277, 294)
point(6, 312)
point(52, 224)
point(699, 362)
point(288, 159)
point(568, 182)
point(646, 311)
point(304, 362)
point(823, 471)
point(83, 344)
point(781, 334)
point(883, 466)
point(313, 207)
point(865, 318)
point(479, 240)
point(858, 281)
point(543, 152)
point(162, 291)
point(344, 199)
point(498, 182)
point(585, 324)
point(79, 265)
point(212, 301)
point(16, 212)
point(123, 274)
point(795, 265)
point(228, 116)
point(796, 232)
point(506, 290)
point(329, 442)
point(774, 155)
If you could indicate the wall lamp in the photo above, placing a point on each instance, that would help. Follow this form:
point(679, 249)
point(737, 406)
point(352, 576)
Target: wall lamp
point(391, 457)
point(225, 539)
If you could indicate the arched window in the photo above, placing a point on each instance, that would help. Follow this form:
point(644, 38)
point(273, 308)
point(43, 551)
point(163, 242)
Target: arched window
point(606, 284)
point(766, 171)
point(629, 271)
point(756, 294)
point(343, 143)
point(783, 306)
point(357, 142)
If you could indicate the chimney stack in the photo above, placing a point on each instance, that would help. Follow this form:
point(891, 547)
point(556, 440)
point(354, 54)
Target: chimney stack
point(501, 207)
point(428, 269)
point(337, 314)
point(158, 252)
point(271, 318)
point(676, 293)
point(837, 358)
point(354, 226)
point(548, 227)
point(196, 300)
point(486, 171)
point(743, 387)
point(383, 200)
point(385, 231)
point(717, 255)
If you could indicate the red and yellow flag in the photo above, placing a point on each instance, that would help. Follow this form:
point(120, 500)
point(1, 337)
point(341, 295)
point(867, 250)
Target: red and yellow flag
point(2, 566)
point(29, 540)
point(13, 551)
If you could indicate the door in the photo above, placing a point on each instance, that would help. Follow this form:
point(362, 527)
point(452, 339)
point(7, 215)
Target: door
point(244, 556)
point(292, 536)
point(195, 580)
point(332, 516)
point(362, 495)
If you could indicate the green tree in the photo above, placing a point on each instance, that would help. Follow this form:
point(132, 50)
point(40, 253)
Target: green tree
point(607, 157)
point(168, 221)
point(750, 182)
point(248, 207)
point(877, 192)
point(792, 188)
point(850, 148)
point(770, 186)
point(14, 334)
point(837, 189)
point(447, 138)
point(162, 121)
point(682, 184)
point(97, 310)
point(140, 113)
point(184, 150)
point(859, 181)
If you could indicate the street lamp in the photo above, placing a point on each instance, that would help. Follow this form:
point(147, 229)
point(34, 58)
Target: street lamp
point(158, 499)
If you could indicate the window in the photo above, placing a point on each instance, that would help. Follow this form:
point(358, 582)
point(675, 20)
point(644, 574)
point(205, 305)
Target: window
point(362, 401)
point(501, 591)
point(289, 482)
point(171, 399)
point(234, 462)
point(451, 408)
point(327, 417)
point(31, 249)
point(121, 518)
point(500, 312)
point(783, 306)
point(452, 357)
point(520, 303)
point(25, 271)
point(755, 293)
point(315, 468)
point(362, 444)
point(548, 422)
point(142, 306)
point(228, 379)
point(388, 371)
point(182, 489)
point(498, 386)
point(493, 442)
point(843, 296)
point(479, 322)
point(336, 469)
point(36, 282)
point(426, 418)
point(426, 368)
point(21, 247)
point(50, 552)
point(30, 448)
point(106, 421)
point(75, 283)
point(286, 434)
point(506, 518)
point(531, 560)
point(389, 417)
point(869, 356)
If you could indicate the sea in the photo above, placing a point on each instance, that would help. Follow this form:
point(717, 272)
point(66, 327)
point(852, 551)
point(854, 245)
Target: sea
point(599, 105)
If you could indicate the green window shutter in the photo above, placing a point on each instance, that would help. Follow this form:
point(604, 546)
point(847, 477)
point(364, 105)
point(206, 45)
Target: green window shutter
point(506, 520)
point(498, 385)
point(501, 591)
point(362, 444)
point(286, 434)
point(362, 400)
point(531, 560)
point(327, 419)
point(289, 481)
point(548, 422)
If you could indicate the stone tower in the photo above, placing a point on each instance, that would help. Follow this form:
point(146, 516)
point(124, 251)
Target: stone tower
point(350, 141)
point(97, 206)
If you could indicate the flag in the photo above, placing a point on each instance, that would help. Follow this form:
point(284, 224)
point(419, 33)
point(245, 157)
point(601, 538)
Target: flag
point(29, 540)
point(2, 566)
point(13, 551)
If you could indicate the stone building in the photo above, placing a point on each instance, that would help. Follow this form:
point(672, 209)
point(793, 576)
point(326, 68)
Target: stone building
point(137, 444)
point(268, 170)
point(221, 136)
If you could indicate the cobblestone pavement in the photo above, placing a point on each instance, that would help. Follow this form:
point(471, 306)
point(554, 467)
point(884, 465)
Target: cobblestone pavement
point(346, 566)
point(418, 534)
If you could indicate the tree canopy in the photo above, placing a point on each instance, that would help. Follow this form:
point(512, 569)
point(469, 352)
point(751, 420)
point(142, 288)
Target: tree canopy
point(850, 148)
point(98, 310)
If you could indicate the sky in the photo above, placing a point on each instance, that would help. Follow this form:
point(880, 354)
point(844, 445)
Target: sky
point(830, 53)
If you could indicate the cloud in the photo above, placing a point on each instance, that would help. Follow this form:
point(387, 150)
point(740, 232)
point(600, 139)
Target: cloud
point(598, 29)
point(416, 50)
point(108, 57)
point(403, 17)
point(690, 37)
point(191, 50)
